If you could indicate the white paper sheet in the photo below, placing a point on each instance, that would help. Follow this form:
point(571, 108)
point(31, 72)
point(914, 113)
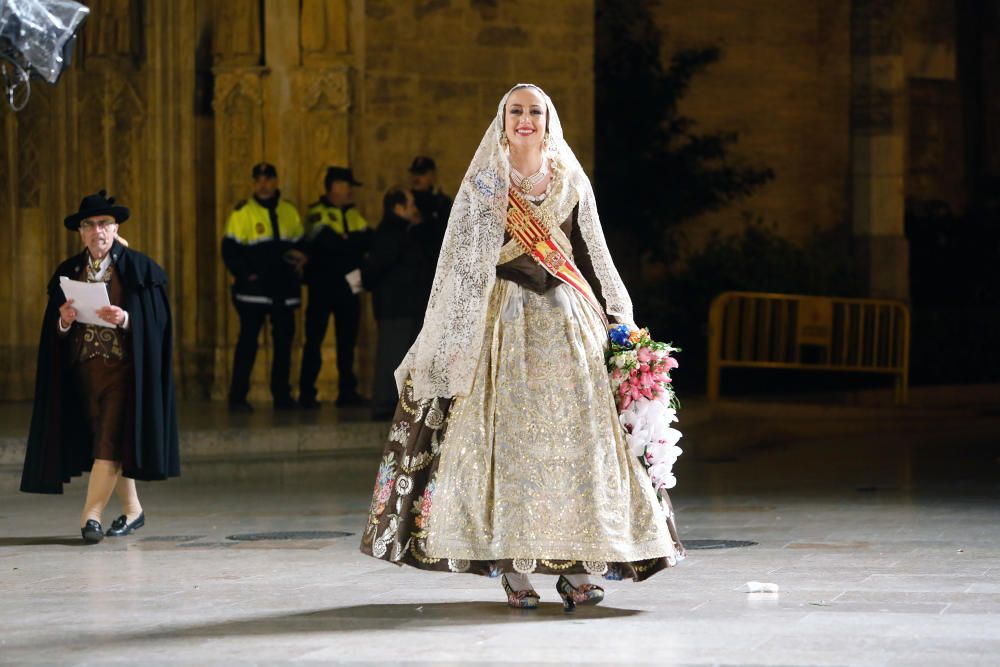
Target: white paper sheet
point(353, 279)
point(88, 298)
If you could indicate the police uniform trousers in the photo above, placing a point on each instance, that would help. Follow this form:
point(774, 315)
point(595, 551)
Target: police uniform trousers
point(252, 316)
point(346, 310)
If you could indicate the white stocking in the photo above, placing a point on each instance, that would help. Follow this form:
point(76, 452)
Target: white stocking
point(128, 497)
point(101, 484)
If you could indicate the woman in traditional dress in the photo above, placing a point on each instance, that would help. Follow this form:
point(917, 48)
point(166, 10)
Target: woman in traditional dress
point(506, 456)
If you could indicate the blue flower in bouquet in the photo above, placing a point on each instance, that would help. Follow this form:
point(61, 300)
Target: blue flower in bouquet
point(620, 335)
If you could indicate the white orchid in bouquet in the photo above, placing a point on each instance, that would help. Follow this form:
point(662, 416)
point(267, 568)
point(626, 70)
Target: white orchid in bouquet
point(639, 368)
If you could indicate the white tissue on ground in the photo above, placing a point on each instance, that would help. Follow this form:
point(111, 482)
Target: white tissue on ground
point(759, 587)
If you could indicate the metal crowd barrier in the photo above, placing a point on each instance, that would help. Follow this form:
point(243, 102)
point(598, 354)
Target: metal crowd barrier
point(761, 330)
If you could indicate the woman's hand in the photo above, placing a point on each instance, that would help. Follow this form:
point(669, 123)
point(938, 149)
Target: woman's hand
point(631, 325)
point(112, 315)
point(67, 314)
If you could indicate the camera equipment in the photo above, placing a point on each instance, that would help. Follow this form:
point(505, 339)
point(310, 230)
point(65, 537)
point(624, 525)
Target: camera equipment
point(36, 39)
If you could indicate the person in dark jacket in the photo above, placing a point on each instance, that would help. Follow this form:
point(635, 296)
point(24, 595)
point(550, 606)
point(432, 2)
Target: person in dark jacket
point(399, 273)
point(104, 389)
point(338, 237)
point(262, 250)
point(434, 205)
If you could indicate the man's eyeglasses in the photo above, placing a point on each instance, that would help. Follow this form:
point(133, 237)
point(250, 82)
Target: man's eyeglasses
point(98, 224)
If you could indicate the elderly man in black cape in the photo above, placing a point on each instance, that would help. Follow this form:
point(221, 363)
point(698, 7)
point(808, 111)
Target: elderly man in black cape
point(104, 393)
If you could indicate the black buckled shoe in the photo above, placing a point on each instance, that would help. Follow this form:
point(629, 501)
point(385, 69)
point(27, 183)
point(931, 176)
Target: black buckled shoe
point(121, 527)
point(92, 532)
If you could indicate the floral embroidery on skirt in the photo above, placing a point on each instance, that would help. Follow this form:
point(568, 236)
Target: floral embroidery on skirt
point(403, 502)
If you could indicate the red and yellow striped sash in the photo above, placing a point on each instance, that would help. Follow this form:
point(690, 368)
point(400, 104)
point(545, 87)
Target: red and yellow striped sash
point(531, 234)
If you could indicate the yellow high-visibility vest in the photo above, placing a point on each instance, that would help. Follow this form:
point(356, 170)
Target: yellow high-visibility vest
point(333, 217)
point(250, 223)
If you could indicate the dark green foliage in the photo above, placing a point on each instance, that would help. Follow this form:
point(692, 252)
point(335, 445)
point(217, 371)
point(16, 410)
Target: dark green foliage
point(760, 260)
point(756, 260)
point(654, 170)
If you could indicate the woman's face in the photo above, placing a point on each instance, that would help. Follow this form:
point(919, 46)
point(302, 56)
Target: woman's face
point(525, 118)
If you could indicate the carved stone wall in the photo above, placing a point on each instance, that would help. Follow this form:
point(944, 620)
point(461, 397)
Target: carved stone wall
point(26, 200)
point(782, 83)
point(435, 71)
point(124, 117)
point(239, 106)
point(878, 146)
point(97, 129)
point(288, 103)
point(324, 27)
point(169, 104)
point(323, 97)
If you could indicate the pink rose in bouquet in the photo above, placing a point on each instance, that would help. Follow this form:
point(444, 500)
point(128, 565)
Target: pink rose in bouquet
point(639, 371)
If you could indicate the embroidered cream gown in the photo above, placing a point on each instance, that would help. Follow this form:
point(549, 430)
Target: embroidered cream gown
point(533, 472)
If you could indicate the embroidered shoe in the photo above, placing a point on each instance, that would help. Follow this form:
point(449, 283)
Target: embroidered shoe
point(572, 595)
point(519, 599)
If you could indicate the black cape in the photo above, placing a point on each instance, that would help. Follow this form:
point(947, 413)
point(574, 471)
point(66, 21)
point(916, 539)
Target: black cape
point(60, 444)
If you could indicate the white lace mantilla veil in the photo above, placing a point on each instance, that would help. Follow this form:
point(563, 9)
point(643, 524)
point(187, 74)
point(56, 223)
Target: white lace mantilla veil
point(442, 361)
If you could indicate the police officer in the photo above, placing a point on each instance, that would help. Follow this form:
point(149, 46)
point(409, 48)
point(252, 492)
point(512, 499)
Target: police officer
point(338, 237)
point(262, 249)
point(433, 204)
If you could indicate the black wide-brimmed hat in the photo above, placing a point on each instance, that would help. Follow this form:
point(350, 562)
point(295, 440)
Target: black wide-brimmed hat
point(96, 204)
point(339, 174)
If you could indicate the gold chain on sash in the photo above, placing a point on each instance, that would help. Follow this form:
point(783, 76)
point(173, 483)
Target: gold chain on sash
point(534, 237)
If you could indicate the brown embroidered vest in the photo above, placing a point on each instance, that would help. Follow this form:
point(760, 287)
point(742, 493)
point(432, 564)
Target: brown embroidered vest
point(89, 341)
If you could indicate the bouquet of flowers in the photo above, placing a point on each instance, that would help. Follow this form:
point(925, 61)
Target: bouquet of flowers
point(647, 406)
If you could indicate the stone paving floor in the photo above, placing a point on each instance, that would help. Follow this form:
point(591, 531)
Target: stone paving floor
point(886, 553)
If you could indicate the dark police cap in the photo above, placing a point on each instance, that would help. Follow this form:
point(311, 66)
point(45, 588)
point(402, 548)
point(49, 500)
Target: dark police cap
point(339, 174)
point(422, 164)
point(96, 204)
point(264, 169)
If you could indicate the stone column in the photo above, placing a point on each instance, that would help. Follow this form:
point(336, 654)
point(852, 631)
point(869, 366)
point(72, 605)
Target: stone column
point(169, 181)
point(281, 54)
point(238, 108)
point(878, 146)
point(31, 240)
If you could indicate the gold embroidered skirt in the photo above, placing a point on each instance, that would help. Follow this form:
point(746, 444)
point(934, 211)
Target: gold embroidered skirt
point(530, 472)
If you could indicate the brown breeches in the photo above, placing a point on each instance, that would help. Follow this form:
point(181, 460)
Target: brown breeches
point(106, 386)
